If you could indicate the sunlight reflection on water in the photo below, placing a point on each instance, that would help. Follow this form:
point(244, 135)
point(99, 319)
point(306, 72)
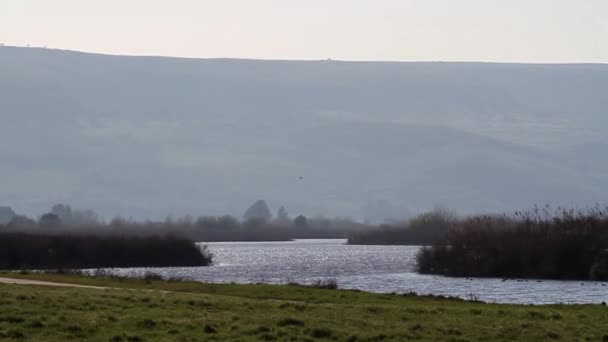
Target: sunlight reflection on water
point(369, 268)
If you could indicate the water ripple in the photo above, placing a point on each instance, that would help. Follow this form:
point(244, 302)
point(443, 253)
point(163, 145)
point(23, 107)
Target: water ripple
point(370, 268)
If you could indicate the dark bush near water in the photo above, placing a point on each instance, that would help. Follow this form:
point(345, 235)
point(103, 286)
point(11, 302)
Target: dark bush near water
point(540, 244)
point(36, 251)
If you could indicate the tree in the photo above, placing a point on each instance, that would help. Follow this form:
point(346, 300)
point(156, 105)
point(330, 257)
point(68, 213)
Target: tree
point(75, 217)
point(227, 222)
point(6, 215)
point(118, 222)
point(85, 217)
point(63, 211)
point(254, 223)
point(258, 210)
point(207, 222)
point(49, 220)
point(301, 221)
point(282, 214)
point(21, 221)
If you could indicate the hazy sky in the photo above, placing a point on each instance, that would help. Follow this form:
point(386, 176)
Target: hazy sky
point(481, 30)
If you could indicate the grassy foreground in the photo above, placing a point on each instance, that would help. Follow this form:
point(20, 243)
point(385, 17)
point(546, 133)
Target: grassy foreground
point(186, 311)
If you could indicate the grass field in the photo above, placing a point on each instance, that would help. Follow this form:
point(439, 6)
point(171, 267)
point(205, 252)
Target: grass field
point(136, 310)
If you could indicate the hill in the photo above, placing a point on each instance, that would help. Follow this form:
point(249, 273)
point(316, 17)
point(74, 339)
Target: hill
point(147, 136)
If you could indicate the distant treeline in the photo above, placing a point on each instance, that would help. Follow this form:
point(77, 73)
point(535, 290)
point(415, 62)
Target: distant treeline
point(424, 229)
point(542, 244)
point(65, 251)
point(206, 229)
point(63, 219)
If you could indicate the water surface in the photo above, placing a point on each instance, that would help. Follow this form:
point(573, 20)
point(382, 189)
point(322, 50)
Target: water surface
point(369, 268)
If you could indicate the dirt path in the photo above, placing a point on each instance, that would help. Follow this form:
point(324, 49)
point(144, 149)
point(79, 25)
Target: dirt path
point(45, 283)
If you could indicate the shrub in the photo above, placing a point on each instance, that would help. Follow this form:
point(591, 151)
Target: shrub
point(537, 244)
point(329, 284)
point(36, 251)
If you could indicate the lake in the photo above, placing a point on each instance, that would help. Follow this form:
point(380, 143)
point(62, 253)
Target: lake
point(368, 268)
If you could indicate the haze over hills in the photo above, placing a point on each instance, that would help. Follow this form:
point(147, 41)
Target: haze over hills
point(148, 136)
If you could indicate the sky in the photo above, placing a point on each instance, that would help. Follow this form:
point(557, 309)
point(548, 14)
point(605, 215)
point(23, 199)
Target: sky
point(540, 31)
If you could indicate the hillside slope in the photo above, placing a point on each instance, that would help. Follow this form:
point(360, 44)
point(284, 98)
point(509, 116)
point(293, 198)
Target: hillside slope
point(148, 136)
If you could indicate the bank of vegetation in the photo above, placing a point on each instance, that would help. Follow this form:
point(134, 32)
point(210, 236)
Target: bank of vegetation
point(542, 244)
point(62, 219)
point(208, 229)
point(423, 229)
point(68, 251)
point(158, 310)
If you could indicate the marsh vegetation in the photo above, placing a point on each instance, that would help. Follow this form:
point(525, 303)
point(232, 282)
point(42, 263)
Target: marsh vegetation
point(541, 243)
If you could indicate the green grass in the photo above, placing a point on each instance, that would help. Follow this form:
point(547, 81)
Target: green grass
point(187, 311)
